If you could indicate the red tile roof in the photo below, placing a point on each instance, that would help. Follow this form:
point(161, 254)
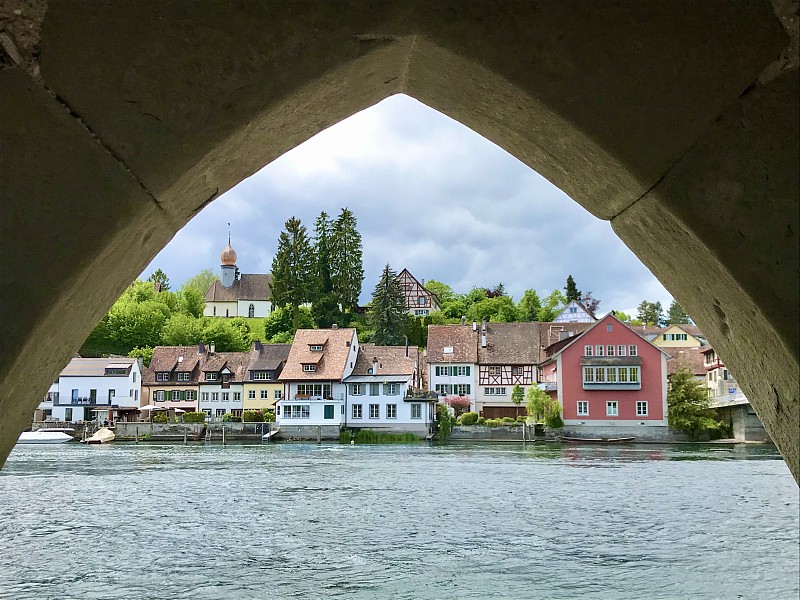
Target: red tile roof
point(330, 362)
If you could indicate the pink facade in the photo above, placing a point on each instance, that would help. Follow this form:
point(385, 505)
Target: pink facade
point(610, 374)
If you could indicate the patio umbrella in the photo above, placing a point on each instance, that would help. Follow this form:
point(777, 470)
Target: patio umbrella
point(150, 407)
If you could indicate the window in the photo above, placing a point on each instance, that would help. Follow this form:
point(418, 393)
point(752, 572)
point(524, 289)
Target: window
point(215, 314)
point(633, 374)
point(610, 350)
point(264, 394)
point(587, 351)
point(297, 411)
point(374, 411)
point(237, 396)
point(391, 389)
point(309, 368)
point(356, 411)
point(681, 337)
point(621, 350)
point(391, 411)
point(357, 389)
point(609, 328)
point(191, 395)
point(134, 377)
point(611, 408)
point(68, 414)
point(462, 389)
point(221, 412)
point(622, 375)
point(588, 374)
point(641, 409)
point(598, 351)
point(251, 394)
point(215, 396)
point(632, 350)
point(495, 391)
point(162, 376)
point(420, 312)
point(573, 309)
point(315, 347)
point(611, 375)
point(453, 371)
point(211, 376)
point(462, 371)
point(725, 374)
point(251, 311)
point(111, 394)
point(184, 376)
point(517, 371)
point(328, 411)
point(204, 397)
point(159, 396)
point(314, 389)
point(600, 375)
point(416, 411)
point(495, 370)
point(583, 408)
point(443, 388)
point(422, 300)
point(261, 375)
point(374, 389)
point(447, 350)
point(278, 394)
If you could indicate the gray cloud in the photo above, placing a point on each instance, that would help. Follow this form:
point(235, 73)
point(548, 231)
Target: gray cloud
point(430, 195)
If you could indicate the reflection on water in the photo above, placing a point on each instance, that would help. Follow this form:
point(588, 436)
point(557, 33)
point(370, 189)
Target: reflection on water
point(454, 521)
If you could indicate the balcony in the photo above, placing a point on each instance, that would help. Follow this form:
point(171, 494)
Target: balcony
point(86, 401)
point(310, 398)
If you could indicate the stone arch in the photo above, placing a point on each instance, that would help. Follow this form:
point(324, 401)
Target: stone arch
point(677, 123)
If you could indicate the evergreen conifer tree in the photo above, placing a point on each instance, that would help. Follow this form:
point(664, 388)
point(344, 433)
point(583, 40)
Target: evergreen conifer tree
point(346, 260)
point(293, 266)
point(572, 291)
point(676, 315)
point(325, 309)
point(388, 316)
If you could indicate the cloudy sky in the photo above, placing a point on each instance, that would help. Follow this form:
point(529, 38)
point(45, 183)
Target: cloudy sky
point(430, 195)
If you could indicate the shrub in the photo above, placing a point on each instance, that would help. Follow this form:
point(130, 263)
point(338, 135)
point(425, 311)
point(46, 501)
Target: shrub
point(194, 417)
point(368, 436)
point(345, 436)
point(269, 416)
point(459, 404)
point(481, 420)
point(521, 420)
point(509, 420)
point(252, 416)
point(469, 418)
point(444, 421)
point(553, 418)
point(229, 418)
point(494, 423)
point(161, 417)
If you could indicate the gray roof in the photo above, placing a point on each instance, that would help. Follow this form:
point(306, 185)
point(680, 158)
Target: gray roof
point(379, 378)
point(269, 358)
point(93, 367)
point(247, 287)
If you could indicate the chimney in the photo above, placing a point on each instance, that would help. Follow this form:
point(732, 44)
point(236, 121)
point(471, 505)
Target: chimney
point(474, 325)
point(483, 326)
point(334, 326)
point(256, 344)
point(211, 348)
point(201, 348)
point(483, 340)
point(374, 365)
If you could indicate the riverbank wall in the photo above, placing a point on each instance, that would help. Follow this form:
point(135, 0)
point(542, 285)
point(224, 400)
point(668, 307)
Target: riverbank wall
point(171, 432)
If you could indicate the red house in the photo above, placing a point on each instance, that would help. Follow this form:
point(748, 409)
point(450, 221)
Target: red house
point(608, 377)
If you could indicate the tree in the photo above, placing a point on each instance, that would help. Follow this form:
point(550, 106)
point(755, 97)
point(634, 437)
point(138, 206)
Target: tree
point(443, 291)
point(325, 309)
point(590, 303)
point(280, 325)
point(650, 313)
point(572, 291)
point(293, 266)
point(201, 282)
point(624, 317)
point(388, 315)
point(459, 404)
point(499, 309)
point(688, 405)
point(346, 260)
point(132, 324)
point(676, 315)
point(551, 306)
point(537, 402)
point(224, 336)
point(191, 302)
point(146, 354)
point(160, 280)
point(530, 305)
point(182, 330)
point(516, 396)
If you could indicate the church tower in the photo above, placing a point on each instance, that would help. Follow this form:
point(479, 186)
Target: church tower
point(228, 260)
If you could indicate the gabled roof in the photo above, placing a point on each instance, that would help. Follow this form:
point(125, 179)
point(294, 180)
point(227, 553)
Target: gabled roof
point(392, 360)
point(510, 344)
point(693, 358)
point(269, 357)
point(236, 362)
point(94, 367)
point(330, 362)
point(460, 338)
point(579, 304)
point(247, 287)
point(171, 358)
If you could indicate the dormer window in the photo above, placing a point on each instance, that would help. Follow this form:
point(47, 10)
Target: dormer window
point(315, 347)
point(162, 376)
point(211, 377)
point(261, 375)
point(309, 368)
point(184, 376)
point(447, 350)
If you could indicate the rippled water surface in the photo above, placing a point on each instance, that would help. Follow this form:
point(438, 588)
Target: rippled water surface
point(483, 521)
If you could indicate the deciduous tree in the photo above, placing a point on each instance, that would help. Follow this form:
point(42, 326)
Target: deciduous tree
point(688, 405)
point(516, 396)
point(200, 282)
point(530, 305)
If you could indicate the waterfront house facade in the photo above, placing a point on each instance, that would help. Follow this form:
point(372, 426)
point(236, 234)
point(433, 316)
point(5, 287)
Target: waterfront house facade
point(89, 389)
point(221, 386)
point(608, 378)
point(313, 378)
point(380, 392)
point(419, 300)
point(172, 379)
point(452, 357)
point(261, 388)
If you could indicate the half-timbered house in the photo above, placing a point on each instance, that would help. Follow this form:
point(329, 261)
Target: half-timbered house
point(419, 300)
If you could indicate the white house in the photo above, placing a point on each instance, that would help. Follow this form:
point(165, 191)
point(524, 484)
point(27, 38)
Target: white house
point(221, 385)
point(236, 294)
point(380, 391)
point(453, 359)
point(313, 378)
point(94, 389)
point(575, 312)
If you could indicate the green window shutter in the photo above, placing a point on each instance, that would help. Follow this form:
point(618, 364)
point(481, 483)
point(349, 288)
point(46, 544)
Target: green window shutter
point(468, 390)
point(168, 395)
point(328, 411)
point(183, 395)
point(467, 371)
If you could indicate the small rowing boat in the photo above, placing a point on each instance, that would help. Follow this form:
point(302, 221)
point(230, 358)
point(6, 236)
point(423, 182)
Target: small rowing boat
point(619, 440)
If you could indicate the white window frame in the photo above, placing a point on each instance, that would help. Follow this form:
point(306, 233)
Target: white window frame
point(463, 389)
point(612, 408)
point(374, 389)
point(374, 411)
point(357, 389)
point(416, 411)
point(599, 350)
point(391, 411)
point(264, 394)
point(237, 396)
point(215, 396)
point(495, 370)
point(309, 368)
point(610, 349)
point(262, 376)
point(204, 397)
point(226, 396)
point(358, 411)
point(391, 389)
point(583, 408)
point(315, 347)
point(212, 377)
point(278, 394)
point(159, 396)
point(251, 394)
point(621, 350)
point(633, 350)
point(588, 350)
point(641, 408)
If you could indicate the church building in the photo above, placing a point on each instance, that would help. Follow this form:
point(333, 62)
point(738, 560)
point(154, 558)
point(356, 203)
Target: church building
point(238, 294)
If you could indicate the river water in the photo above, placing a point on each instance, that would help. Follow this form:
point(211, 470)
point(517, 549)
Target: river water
point(151, 521)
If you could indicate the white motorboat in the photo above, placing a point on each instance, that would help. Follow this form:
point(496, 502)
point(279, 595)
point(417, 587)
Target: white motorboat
point(101, 436)
point(45, 436)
